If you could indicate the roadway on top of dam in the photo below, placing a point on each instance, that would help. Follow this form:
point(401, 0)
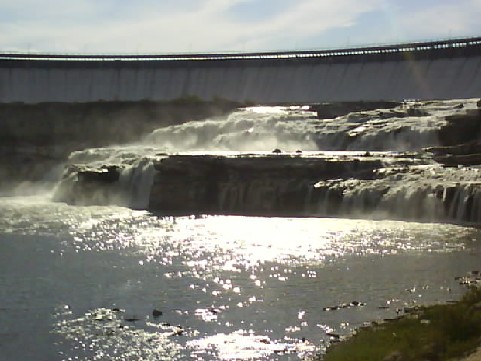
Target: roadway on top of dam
point(423, 70)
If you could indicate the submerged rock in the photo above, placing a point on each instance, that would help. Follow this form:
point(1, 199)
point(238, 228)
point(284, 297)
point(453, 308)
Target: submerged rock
point(107, 174)
point(156, 313)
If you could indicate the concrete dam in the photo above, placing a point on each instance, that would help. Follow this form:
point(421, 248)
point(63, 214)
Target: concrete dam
point(431, 70)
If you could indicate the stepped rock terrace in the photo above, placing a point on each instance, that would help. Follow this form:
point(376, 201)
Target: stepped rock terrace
point(382, 163)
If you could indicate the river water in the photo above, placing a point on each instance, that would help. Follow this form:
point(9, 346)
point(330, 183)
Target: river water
point(111, 283)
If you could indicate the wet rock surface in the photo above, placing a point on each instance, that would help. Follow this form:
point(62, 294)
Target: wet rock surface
point(246, 184)
point(379, 185)
point(265, 185)
point(333, 110)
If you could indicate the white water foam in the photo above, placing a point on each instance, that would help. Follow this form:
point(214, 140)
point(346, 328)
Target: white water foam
point(250, 129)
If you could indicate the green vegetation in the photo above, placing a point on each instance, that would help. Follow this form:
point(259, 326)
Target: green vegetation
point(435, 333)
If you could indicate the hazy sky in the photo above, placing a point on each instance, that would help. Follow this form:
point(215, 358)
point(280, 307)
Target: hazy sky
point(165, 26)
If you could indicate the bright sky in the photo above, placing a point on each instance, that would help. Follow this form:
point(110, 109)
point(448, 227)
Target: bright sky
point(180, 26)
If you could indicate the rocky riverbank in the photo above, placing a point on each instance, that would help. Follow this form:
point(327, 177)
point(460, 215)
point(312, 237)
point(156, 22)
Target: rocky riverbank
point(437, 332)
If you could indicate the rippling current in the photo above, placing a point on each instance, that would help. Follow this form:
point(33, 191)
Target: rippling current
point(110, 283)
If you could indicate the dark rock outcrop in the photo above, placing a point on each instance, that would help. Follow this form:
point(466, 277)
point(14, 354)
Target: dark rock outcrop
point(285, 185)
point(457, 155)
point(400, 186)
point(106, 174)
point(264, 185)
point(461, 128)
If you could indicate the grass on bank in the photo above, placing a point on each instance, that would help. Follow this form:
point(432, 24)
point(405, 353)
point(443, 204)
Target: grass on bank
point(435, 333)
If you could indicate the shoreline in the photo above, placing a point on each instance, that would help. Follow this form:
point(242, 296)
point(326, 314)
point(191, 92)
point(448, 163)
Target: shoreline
point(449, 331)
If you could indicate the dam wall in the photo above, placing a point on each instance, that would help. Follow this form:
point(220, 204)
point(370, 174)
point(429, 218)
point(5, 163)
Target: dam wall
point(435, 70)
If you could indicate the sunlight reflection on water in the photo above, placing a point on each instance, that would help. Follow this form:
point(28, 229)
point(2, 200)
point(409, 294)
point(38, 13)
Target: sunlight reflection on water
point(246, 287)
point(247, 240)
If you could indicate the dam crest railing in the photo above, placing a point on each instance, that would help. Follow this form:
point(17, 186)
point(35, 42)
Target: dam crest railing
point(413, 47)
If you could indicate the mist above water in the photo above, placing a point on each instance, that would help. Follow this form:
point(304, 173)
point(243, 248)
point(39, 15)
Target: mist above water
point(408, 127)
point(250, 129)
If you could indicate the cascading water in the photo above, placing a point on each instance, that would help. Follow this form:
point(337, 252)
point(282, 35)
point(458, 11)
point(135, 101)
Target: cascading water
point(137, 181)
point(344, 183)
point(298, 128)
point(464, 202)
point(250, 129)
point(117, 175)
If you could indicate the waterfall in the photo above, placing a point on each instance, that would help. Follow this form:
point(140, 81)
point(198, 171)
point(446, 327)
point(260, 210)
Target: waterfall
point(476, 207)
point(206, 178)
point(411, 196)
point(232, 196)
point(136, 182)
point(465, 203)
point(412, 200)
point(118, 175)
